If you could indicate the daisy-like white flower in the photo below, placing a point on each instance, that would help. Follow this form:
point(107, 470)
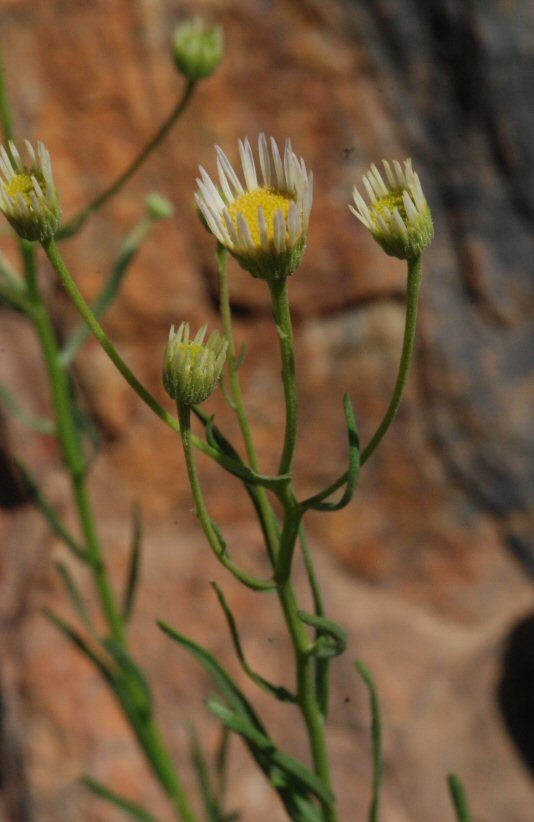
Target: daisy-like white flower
point(263, 223)
point(398, 215)
point(28, 195)
point(192, 367)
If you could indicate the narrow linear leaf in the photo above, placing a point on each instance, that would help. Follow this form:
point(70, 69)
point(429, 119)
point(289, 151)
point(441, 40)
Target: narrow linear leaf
point(38, 424)
point(133, 680)
point(49, 512)
point(295, 798)
point(292, 767)
point(376, 735)
point(131, 808)
point(278, 691)
point(231, 461)
point(242, 356)
point(221, 763)
point(331, 640)
point(110, 290)
point(322, 664)
point(75, 595)
point(459, 798)
point(209, 799)
point(79, 642)
point(227, 686)
point(8, 273)
point(350, 478)
point(135, 564)
point(13, 299)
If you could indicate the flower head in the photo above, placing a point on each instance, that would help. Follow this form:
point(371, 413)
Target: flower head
point(398, 215)
point(197, 50)
point(28, 196)
point(264, 224)
point(192, 367)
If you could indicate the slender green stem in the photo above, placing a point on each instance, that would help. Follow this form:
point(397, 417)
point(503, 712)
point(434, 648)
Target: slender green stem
point(127, 253)
point(265, 511)
point(6, 117)
point(75, 223)
point(414, 285)
point(68, 436)
point(72, 290)
point(147, 732)
point(212, 534)
point(282, 318)
point(307, 698)
point(161, 763)
point(410, 325)
point(322, 664)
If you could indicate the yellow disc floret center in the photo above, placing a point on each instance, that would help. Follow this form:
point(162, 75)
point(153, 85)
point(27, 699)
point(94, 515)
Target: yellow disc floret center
point(194, 349)
point(23, 184)
point(389, 202)
point(270, 199)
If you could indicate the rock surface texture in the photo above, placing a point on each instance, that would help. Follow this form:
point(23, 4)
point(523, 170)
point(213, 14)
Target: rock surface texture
point(429, 568)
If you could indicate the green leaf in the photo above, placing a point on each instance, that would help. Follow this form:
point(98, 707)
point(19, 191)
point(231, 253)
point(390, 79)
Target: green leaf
point(131, 808)
point(290, 766)
point(209, 799)
point(221, 763)
point(242, 357)
point(350, 477)
point(331, 638)
point(376, 734)
point(132, 678)
point(459, 798)
point(79, 642)
point(49, 512)
point(110, 290)
point(75, 596)
point(322, 664)
point(295, 798)
point(278, 691)
point(14, 299)
point(134, 567)
point(229, 458)
point(38, 424)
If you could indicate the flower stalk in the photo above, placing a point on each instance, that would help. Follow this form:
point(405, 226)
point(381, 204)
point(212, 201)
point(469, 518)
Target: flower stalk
point(75, 223)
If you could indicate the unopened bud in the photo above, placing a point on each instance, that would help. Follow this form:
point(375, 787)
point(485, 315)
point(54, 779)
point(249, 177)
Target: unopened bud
point(192, 368)
point(197, 50)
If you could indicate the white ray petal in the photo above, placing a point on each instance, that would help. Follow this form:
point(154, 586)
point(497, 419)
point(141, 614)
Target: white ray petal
point(265, 163)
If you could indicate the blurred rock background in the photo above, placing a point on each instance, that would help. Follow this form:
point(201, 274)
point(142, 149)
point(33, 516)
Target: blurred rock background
point(430, 567)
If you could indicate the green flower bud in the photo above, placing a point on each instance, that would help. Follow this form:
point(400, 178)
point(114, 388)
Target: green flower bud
point(398, 215)
point(197, 50)
point(192, 368)
point(28, 196)
point(158, 207)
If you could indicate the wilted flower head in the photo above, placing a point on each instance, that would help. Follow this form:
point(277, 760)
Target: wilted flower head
point(398, 215)
point(197, 49)
point(263, 223)
point(192, 368)
point(28, 196)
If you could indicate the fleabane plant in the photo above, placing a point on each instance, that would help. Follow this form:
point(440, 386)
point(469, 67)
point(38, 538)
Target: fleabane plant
point(260, 217)
point(397, 214)
point(28, 195)
point(263, 222)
